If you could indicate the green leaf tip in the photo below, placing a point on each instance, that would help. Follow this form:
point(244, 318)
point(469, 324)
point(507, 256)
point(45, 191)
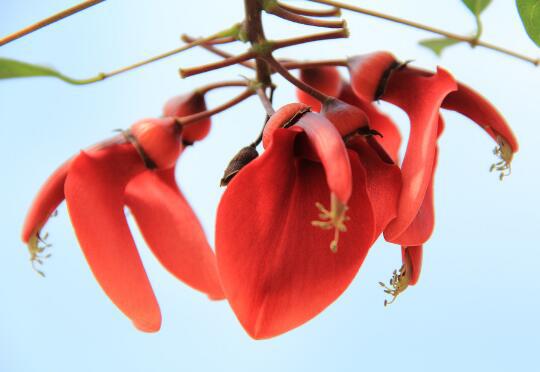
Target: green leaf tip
point(438, 45)
point(476, 6)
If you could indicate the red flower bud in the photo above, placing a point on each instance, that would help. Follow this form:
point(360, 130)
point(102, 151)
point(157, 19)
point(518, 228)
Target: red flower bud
point(185, 105)
point(325, 79)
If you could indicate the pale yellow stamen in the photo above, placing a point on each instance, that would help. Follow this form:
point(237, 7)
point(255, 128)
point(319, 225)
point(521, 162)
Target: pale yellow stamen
point(334, 218)
point(505, 153)
point(398, 283)
point(37, 246)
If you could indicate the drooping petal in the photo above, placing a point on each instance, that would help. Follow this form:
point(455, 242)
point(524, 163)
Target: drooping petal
point(420, 97)
point(45, 203)
point(286, 116)
point(413, 257)
point(185, 105)
point(172, 230)
point(391, 136)
point(94, 192)
point(325, 79)
point(383, 183)
point(471, 104)
point(421, 228)
point(276, 269)
point(331, 151)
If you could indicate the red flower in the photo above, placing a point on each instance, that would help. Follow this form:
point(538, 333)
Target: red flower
point(97, 184)
point(380, 76)
point(276, 268)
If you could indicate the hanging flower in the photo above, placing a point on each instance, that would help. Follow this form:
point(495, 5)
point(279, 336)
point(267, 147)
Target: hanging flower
point(134, 169)
point(273, 230)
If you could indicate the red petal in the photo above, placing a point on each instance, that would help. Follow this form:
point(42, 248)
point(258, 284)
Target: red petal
point(325, 79)
point(331, 150)
point(391, 137)
point(95, 199)
point(421, 228)
point(369, 73)
point(413, 255)
point(172, 230)
point(185, 105)
point(276, 268)
point(471, 104)
point(45, 203)
point(421, 98)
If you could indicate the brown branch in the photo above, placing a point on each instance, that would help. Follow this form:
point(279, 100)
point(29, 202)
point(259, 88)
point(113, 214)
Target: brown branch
point(49, 20)
point(222, 84)
point(292, 65)
point(187, 72)
point(188, 120)
point(332, 12)
point(318, 95)
point(216, 51)
point(338, 34)
point(296, 18)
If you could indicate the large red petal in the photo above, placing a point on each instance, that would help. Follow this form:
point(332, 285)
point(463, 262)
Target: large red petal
point(276, 269)
point(421, 98)
point(369, 73)
point(95, 198)
point(172, 230)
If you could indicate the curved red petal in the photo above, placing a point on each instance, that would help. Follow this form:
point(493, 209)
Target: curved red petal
point(422, 107)
point(331, 151)
point(45, 203)
point(95, 198)
point(471, 104)
point(383, 183)
point(276, 269)
point(369, 73)
point(412, 255)
point(172, 230)
point(325, 79)
point(391, 136)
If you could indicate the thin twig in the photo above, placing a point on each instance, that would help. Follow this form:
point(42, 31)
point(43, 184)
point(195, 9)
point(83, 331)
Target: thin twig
point(297, 18)
point(332, 12)
point(293, 65)
point(188, 120)
point(216, 51)
point(49, 20)
point(187, 72)
point(318, 95)
point(466, 39)
point(337, 34)
point(222, 84)
point(265, 101)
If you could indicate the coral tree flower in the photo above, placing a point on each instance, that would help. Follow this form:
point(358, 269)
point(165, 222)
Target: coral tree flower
point(273, 232)
point(420, 94)
point(97, 184)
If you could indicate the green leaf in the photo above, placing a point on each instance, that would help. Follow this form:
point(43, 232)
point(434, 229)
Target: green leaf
point(10, 68)
point(437, 45)
point(529, 11)
point(476, 6)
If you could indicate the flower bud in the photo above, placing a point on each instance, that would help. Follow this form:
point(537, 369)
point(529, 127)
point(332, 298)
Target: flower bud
point(159, 140)
point(185, 105)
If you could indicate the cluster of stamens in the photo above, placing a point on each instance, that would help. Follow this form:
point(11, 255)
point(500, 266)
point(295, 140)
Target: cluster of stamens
point(504, 152)
point(334, 218)
point(397, 285)
point(36, 246)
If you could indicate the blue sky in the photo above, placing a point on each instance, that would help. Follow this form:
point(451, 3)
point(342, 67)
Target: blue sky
point(475, 307)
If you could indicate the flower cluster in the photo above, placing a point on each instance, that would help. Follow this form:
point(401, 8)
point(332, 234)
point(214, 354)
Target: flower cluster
point(295, 223)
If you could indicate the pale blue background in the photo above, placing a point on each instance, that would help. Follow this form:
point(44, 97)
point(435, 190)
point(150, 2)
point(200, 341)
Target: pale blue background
point(475, 308)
